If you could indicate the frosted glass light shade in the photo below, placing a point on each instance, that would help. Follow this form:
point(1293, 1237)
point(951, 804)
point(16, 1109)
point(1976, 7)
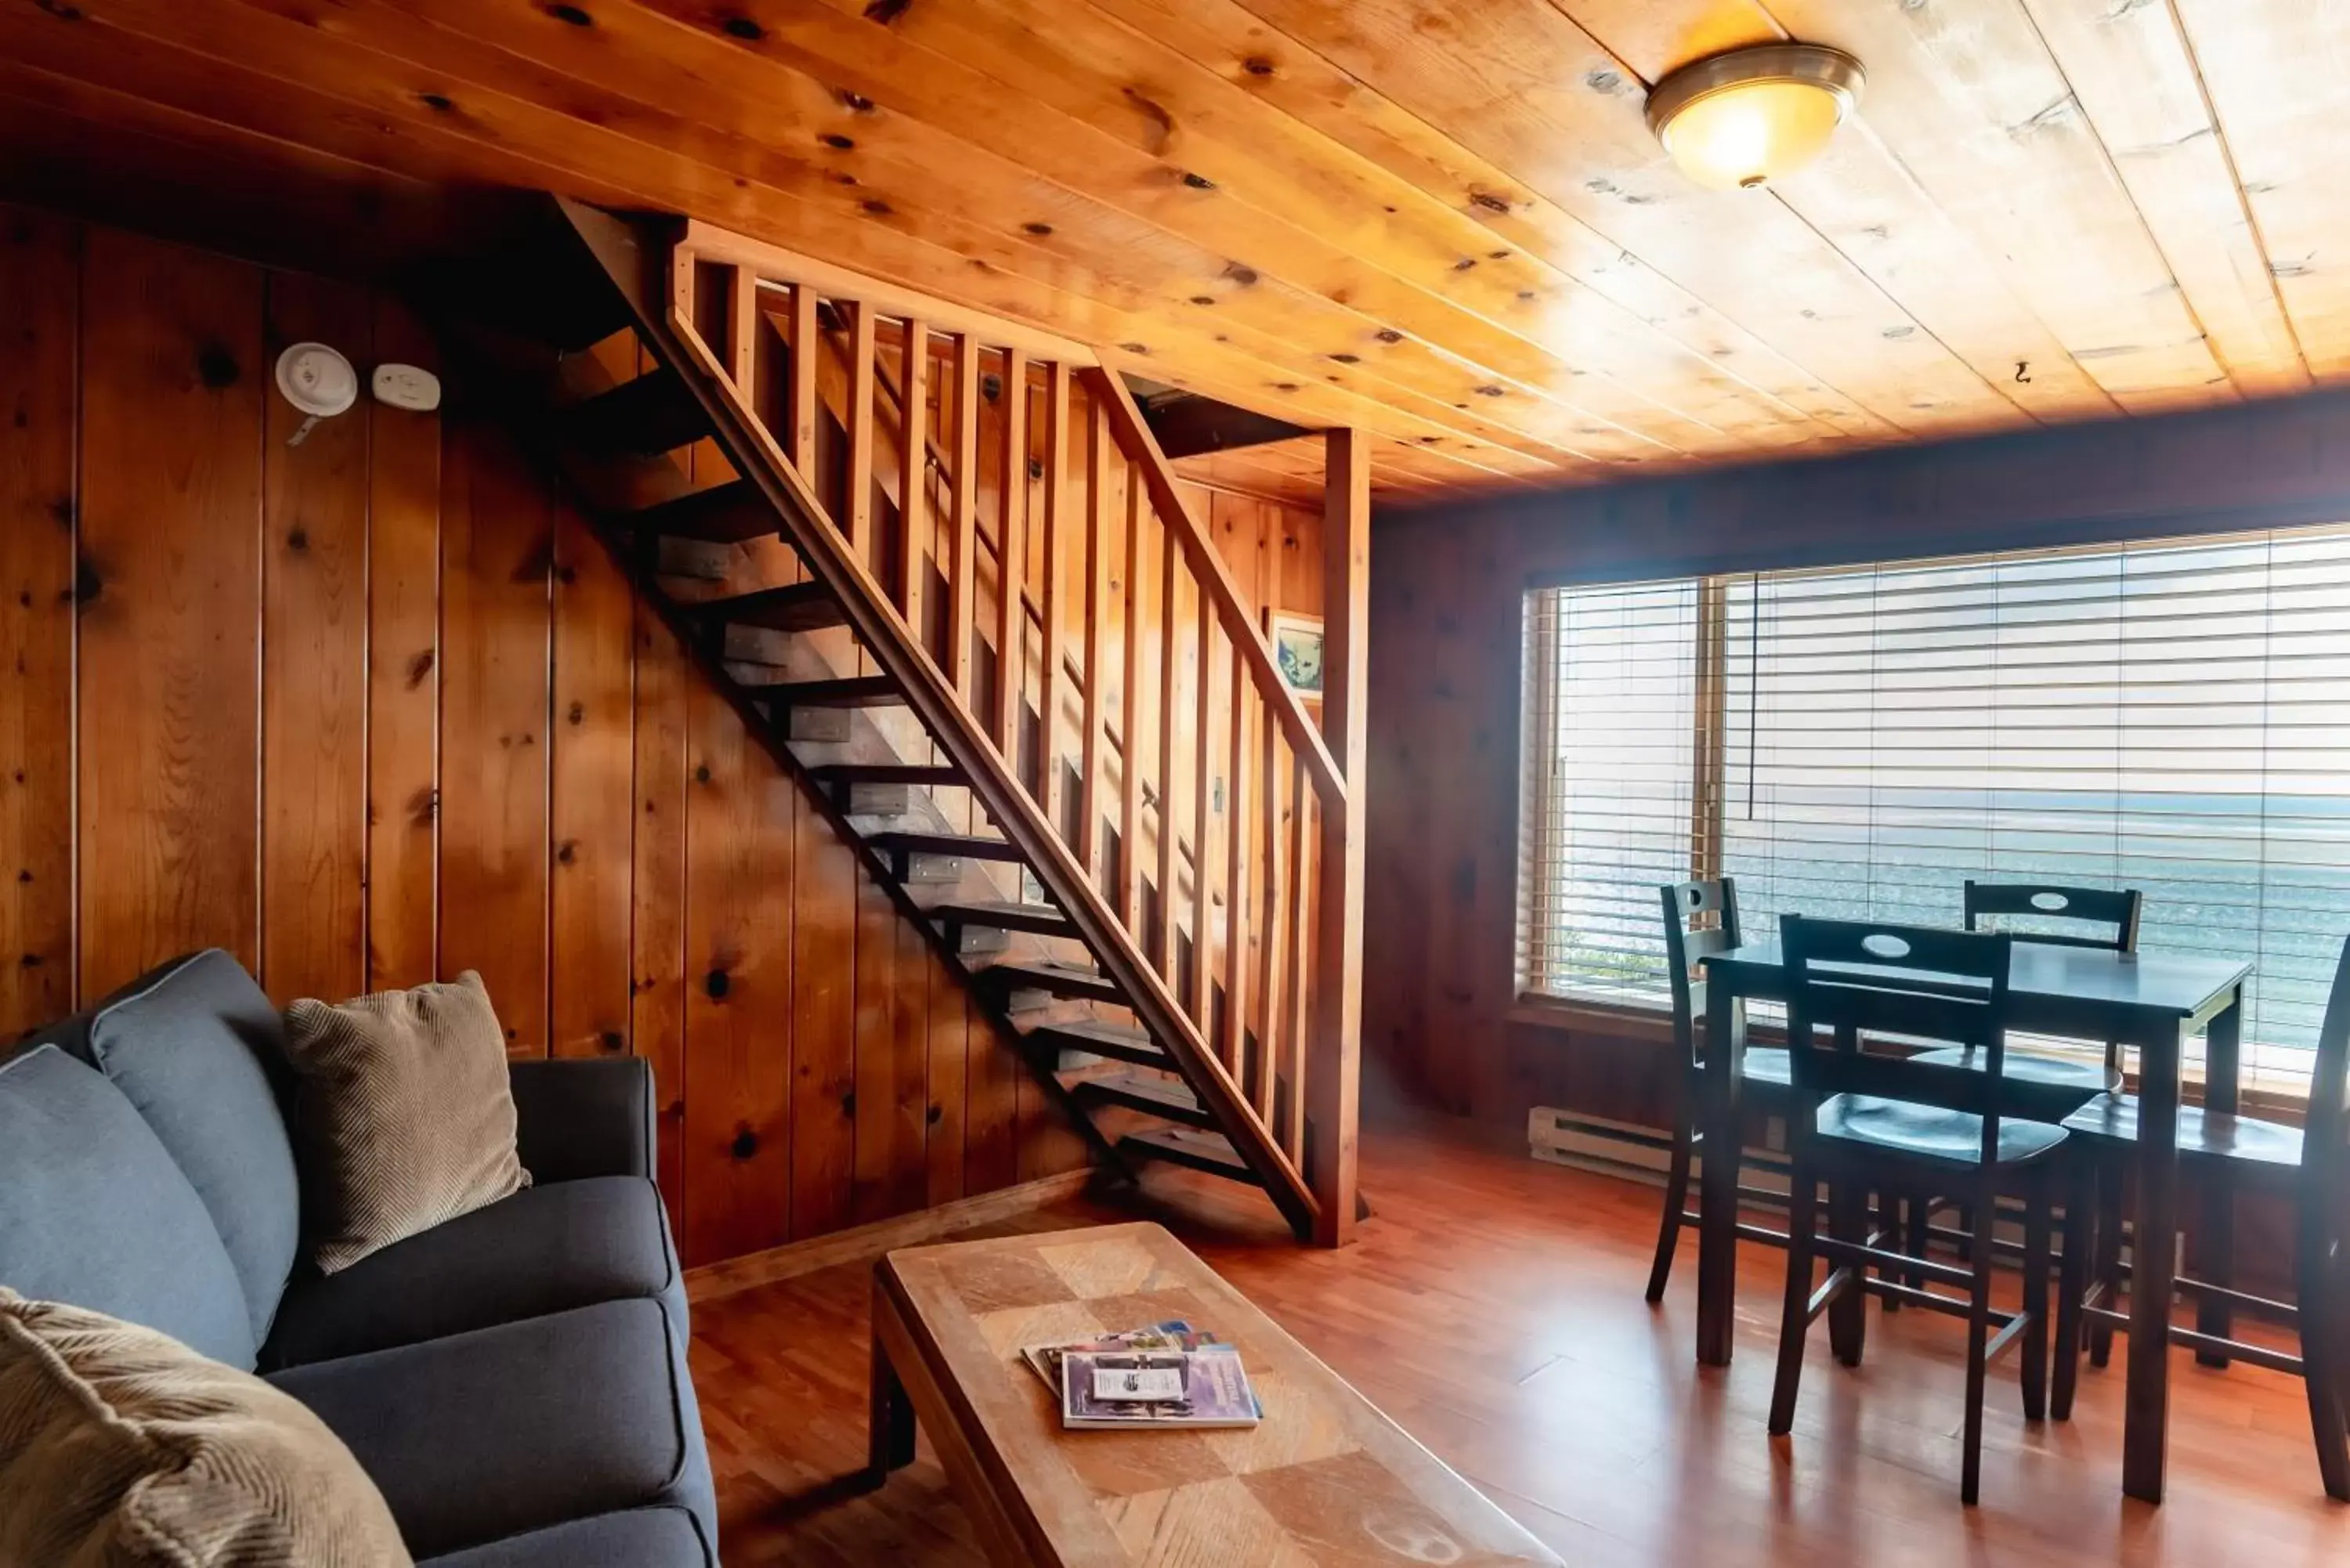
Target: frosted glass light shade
point(1739, 120)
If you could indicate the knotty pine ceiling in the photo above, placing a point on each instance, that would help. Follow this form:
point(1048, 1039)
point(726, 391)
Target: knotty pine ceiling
point(1443, 221)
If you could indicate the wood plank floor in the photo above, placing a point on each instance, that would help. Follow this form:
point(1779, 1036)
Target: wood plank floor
point(1493, 1308)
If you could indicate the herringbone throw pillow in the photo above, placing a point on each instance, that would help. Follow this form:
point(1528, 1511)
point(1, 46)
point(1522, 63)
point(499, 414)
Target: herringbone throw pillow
point(404, 1119)
point(120, 1447)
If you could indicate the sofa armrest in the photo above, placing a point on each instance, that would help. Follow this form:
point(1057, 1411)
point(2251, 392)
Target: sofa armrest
point(582, 1118)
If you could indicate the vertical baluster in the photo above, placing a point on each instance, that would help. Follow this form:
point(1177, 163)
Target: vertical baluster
point(1271, 934)
point(1056, 518)
point(962, 571)
point(1169, 646)
point(1203, 941)
point(802, 397)
point(1099, 476)
point(743, 330)
point(913, 479)
point(862, 322)
point(1011, 558)
point(1301, 927)
point(1127, 895)
point(1238, 800)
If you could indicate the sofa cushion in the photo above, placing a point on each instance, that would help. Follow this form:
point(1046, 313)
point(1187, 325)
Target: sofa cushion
point(544, 1250)
point(200, 1050)
point(404, 1117)
point(641, 1538)
point(94, 1212)
point(486, 1435)
point(120, 1444)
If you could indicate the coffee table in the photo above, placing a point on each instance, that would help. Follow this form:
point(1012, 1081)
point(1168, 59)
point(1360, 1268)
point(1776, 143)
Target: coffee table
point(1323, 1479)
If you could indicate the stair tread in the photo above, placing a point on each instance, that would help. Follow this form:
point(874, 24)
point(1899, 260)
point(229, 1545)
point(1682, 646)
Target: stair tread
point(652, 414)
point(1121, 1041)
point(855, 691)
point(1005, 915)
point(798, 607)
point(725, 514)
point(968, 847)
point(933, 775)
point(1209, 1151)
point(1159, 1097)
point(1048, 974)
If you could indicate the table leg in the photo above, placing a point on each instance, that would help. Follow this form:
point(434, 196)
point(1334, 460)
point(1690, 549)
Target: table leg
point(2215, 1228)
point(890, 1435)
point(1718, 1118)
point(2154, 1275)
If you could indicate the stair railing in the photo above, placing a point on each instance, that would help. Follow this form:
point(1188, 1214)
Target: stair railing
point(1163, 731)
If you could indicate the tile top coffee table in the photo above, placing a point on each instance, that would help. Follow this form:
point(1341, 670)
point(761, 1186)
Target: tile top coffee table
point(1323, 1479)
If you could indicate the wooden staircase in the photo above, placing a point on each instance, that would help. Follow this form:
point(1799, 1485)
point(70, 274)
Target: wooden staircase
point(1128, 836)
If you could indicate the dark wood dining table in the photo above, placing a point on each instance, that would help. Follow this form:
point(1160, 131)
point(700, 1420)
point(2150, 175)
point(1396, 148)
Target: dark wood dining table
point(2151, 1003)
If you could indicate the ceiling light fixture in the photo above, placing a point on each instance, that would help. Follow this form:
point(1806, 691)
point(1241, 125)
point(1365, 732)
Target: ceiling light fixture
point(1738, 120)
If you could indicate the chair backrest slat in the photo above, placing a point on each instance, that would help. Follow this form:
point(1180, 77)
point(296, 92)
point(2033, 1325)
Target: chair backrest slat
point(1685, 903)
point(2119, 909)
point(2324, 1195)
point(1918, 982)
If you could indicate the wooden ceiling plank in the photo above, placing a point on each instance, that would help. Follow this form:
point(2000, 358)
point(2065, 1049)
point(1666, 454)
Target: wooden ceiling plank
point(1273, 66)
point(2129, 66)
point(388, 110)
point(1864, 203)
point(1262, 269)
point(750, 102)
point(2278, 72)
point(1970, 99)
point(1198, 126)
point(1526, 88)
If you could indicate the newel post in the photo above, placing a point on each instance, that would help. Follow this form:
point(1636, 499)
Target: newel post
point(1335, 1079)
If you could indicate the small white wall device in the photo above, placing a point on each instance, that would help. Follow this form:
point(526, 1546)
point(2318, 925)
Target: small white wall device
point(407, 387)
point(316, 380)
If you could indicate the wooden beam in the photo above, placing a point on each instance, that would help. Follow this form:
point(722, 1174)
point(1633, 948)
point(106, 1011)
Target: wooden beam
point(1335, 1079)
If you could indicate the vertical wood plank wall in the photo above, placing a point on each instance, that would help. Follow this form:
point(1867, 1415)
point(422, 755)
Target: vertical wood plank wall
point(378, 707)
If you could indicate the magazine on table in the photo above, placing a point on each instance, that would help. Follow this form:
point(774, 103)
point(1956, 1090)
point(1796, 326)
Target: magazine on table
point(1166, 1376)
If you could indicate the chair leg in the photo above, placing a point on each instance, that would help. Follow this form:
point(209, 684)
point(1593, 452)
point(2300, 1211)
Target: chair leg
point(2109, 1262)
point(1978, 1342)
point(1794, 1315)
point(2073, 1282)
point(1966, 1228)
point(1668, 1229)
point(1848, 1314)
point(1921, 1233)
point(2320, 1286)
point(2035, 1375)
point(1888, 1224)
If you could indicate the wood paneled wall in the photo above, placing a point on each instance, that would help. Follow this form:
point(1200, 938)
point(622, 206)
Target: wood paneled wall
point(376, 708)
point(1447, 595)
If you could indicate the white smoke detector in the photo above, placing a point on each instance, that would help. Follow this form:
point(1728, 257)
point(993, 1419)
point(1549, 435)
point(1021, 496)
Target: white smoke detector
point(407, 387)
point(318, 381)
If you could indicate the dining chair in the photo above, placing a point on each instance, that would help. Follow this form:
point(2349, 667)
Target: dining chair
point(1762, 1072)
point(2309, 1166)
point(1861, 1120)
point(2041, 1085)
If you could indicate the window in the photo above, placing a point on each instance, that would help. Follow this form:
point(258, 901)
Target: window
point(2173, 717)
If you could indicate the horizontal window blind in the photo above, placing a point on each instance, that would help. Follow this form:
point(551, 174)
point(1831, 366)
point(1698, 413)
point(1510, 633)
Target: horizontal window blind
point(1611, 709)
point(2171, 716)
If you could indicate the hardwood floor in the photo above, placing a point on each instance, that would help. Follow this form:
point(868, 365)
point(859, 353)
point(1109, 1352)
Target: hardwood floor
point(1493, 1308)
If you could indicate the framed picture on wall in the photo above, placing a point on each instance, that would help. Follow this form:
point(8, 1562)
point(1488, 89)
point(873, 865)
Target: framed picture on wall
point(1297, 652)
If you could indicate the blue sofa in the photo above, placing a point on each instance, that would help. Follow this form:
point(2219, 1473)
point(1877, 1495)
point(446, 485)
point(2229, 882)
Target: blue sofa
point(514, 1380)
